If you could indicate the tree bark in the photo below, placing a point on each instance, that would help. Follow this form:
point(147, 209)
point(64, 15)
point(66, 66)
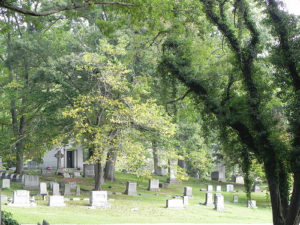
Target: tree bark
point(155, 157)
point(99, 176)
point(109, 171)
point(294, 209)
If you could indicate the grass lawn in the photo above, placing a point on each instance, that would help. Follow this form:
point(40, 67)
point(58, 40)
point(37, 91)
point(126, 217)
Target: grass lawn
point(148, 208)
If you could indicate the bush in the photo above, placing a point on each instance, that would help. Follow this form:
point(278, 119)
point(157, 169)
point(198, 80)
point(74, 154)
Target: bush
point(7, 219)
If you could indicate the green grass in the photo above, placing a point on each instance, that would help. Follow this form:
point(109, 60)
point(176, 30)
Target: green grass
point(151, 206)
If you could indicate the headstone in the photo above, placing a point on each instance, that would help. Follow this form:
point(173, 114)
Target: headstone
point(185, 200)
point(43, 188)
point(59, 156)
point(219, 173)
point(153, 185)
point(21, 198)
point(6, 175)
point(219, 202)
point(251, 204)
point(173, 172)
point(175, 204)
point(235, 198)
point(32, 165)
point(256, 188)
point(88, 170)
point(14, 177)
point(77, 174)
point(209, 199)
point(163, 185)
point(46, 173)
point(6, 183)
point(56, 200)
point(239, 180)
point(55, 189)
point(188, 191)
point(98, 199)
point(229, 188)
point(31, 182)
point(78, 190)
point(67, 190)
point(210, 188)
point(66, 175)
point(73, 185)
point(10, 176)
point(219, 188)
point(160, 171)
point(130, 188)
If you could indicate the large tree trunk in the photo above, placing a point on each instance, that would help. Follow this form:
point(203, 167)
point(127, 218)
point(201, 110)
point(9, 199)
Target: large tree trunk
point(109, 171)
point(99, 176)
point(155, 157)
point(294, 209)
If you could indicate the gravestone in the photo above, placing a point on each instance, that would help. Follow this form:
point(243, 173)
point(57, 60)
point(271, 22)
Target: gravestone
point(78, 190)
point(21, 198)
point(46, 173)
point(256, 188)
point(6, 175)
point(219, 172)
point(55, 189)
point(235, 198)
point(59, 156)
point(32, 165)
point(130, 188)
point(98, 199)
point(209, 199)
point(219, 188)
point(210, 188)
point(66, 175)
point(251, 204)
point(10, 176)
point(160, 171)
point(173, 172)
point(88, 170)
point(56, 200)
point(43, 188)
point(31, 182)
point(185, 200)
point(239, 180)
point(153, 185)
point(14, 178)
point(73, 185)
point(6, 183)
point(229, 188)
point(188, 191)
point(163, 185)
point(67, 189)
point(219, 202)
point(175, 204)
point(77, 174)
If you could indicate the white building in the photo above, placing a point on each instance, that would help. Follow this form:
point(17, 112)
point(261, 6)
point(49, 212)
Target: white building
point(72, 157)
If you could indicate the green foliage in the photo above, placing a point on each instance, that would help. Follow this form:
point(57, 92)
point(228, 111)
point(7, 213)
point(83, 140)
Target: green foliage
point(7, 219)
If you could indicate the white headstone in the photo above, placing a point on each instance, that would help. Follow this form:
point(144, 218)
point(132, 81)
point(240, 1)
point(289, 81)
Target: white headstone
point(235, 198)
point(188, 191)
point(43, 188)
point(88, 170)
point(210, 188)
point(55, 189)
point(67, 190)
point(6, 183)
point(256, 188)
point(219, 202)
point(252, 204)
point(175, 204)
point(98, 199)
point(130, 188)
point(185, 200)
point(219, 188)
point(229, 188)
point(31, 182)
point(21, 198)
point(239, 180)
point(209, 199)
point(56, 200)
point(153, 185)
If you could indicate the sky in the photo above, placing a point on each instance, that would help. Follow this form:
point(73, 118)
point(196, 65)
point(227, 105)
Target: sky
point(293, 6)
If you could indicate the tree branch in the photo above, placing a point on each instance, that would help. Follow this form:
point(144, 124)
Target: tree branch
point(5, 5)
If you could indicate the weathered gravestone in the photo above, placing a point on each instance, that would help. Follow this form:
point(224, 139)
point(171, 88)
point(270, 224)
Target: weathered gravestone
point(219, 202)
point(78, 190)
point(160, 171)
point(56, 200)
point(73, 185)
point(251, 204)
point(58, 156)
point(46, 172)
point(175, 204)
point(32, 165)
point(88, 170)
point(188, 191)
point(210, 188)
point(229, 188)
point(21, 198)
point(153, 185)
point(67, 189)
point(6, 183)
point(256, 188)
point(173, 172)
point(219, 188)
point(55, 189)
point(66, 175)
point(130, 188)
point(31, 182)
point(77, 174)
point(235, 198)
point(185, 200)
point(209, 199)
point(43, 189)
point(98, 199)
point(239, 180)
